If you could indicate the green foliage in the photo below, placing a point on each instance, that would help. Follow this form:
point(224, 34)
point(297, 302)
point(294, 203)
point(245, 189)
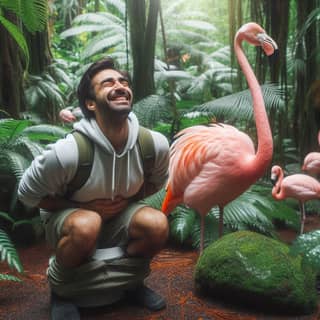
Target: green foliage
point(9, 255)
point(101, 32)
point(258, 271)
point(33, 14)
point(151, 110)
point(182, 222)
point(238, 106)
point(308, 245)
point(17, 35)
point(46, 93)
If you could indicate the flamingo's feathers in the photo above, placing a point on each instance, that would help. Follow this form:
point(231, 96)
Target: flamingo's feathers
point(200, 159)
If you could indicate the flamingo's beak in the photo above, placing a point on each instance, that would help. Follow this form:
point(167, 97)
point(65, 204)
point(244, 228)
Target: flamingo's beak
point(268, 45)
point(274, 179)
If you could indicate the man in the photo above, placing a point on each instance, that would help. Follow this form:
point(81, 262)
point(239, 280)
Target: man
point(104, 212)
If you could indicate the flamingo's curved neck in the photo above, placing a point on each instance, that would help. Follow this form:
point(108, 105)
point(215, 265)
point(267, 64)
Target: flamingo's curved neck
point(265, 144)
point(276, 190)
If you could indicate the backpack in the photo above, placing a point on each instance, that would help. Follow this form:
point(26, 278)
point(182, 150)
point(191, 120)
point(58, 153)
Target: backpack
point(86, 153)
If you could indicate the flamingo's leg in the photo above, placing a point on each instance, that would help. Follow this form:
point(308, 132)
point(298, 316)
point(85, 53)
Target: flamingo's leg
point(201, 234)
point(220, 221)
point(302, 217)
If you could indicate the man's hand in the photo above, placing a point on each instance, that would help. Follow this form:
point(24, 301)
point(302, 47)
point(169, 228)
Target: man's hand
point(107, 208)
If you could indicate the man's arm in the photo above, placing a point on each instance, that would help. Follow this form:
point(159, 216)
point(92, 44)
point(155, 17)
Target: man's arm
point(106, 208)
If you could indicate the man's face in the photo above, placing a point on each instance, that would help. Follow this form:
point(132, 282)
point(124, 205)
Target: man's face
point(112, 91)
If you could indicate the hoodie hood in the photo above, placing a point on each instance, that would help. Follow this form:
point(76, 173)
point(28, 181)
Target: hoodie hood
point(91, 129)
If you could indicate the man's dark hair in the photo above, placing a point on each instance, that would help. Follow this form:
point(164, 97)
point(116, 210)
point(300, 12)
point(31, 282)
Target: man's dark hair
point(85, 90)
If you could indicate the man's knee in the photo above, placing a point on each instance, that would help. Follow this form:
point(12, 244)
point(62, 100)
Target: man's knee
point(151, 224)
point(83, 227)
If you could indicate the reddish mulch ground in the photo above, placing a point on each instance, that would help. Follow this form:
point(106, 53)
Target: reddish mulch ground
point(172, 276)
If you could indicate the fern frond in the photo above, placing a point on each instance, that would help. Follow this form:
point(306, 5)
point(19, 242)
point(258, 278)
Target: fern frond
point(152, 109)
point(8, 277)
point(9, 253)
point(33, 13)
point(181, 224)
point(11, 128)
point(14, 164)
point(45, 133)
point(17, 35)
point(239, 105)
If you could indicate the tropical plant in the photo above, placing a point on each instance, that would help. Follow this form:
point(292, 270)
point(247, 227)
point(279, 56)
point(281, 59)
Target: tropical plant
point(254, 210)
point(308, 245)
point(102, 33)
point(48, 93)
point(33, 14)
point(20, 143)
point(9, 254)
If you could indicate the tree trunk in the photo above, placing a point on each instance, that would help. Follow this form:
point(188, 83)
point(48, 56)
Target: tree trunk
point(306, 114)
point(40, 54)
point(11, 74)
point(143, 37)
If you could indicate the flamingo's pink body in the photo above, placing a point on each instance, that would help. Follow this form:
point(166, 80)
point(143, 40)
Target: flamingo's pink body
point(297, 186)
point(311, 163)
point(212, 165)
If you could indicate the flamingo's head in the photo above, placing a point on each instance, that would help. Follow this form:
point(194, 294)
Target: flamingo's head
point(275, 174)
point(256, 35)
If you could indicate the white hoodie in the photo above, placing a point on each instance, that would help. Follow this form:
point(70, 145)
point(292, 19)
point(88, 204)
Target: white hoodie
point(112, 174)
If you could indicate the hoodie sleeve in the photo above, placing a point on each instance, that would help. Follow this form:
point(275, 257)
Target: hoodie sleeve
point(49, 173)
point(159, 174)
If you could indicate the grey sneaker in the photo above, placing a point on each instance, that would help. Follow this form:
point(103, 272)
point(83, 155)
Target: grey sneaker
point(146, 297)
point(61, 309)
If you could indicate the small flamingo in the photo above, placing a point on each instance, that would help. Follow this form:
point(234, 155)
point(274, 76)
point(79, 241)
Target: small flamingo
point(212, 165)
point(311, 162)
point(297, 186)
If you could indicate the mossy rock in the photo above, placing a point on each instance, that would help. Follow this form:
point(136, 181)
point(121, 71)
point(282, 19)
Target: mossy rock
point(255, 270)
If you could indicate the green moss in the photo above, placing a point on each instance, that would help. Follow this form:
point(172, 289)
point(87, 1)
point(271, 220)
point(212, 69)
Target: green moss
point(255, 268)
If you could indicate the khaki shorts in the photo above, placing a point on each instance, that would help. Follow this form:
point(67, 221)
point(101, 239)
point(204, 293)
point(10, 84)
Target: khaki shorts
point(96, 283)
point(113, 233)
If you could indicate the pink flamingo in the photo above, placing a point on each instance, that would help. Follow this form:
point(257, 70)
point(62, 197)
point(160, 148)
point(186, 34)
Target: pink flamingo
point(311, 162)
point(212, 165)
point(297, 186)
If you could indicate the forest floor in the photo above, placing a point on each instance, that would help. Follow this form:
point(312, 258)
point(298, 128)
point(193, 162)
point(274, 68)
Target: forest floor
point(171, 276)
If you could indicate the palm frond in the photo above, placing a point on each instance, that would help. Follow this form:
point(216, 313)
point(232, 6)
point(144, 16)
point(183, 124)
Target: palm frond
point(8, 277)
point(118, 5)
point(151, 109)
point(181, 224)
point(13, 164)
point(9, 253)
point(238, 106)
point(155, 200)
point(17, 35)
point(11, 128)
point(198, 25)
point(102, 44)
point(45, 133)
point(33, 13)
point(75, 31)
point(26, 147)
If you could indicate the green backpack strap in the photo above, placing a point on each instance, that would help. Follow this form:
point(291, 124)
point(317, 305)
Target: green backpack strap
point(147, 151)
point(86, 152)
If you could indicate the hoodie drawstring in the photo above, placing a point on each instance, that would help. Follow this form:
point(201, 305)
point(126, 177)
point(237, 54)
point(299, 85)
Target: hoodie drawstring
point(113, 175)
point(128, 170)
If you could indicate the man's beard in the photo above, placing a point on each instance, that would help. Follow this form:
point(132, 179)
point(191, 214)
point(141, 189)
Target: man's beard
point(108, 109)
